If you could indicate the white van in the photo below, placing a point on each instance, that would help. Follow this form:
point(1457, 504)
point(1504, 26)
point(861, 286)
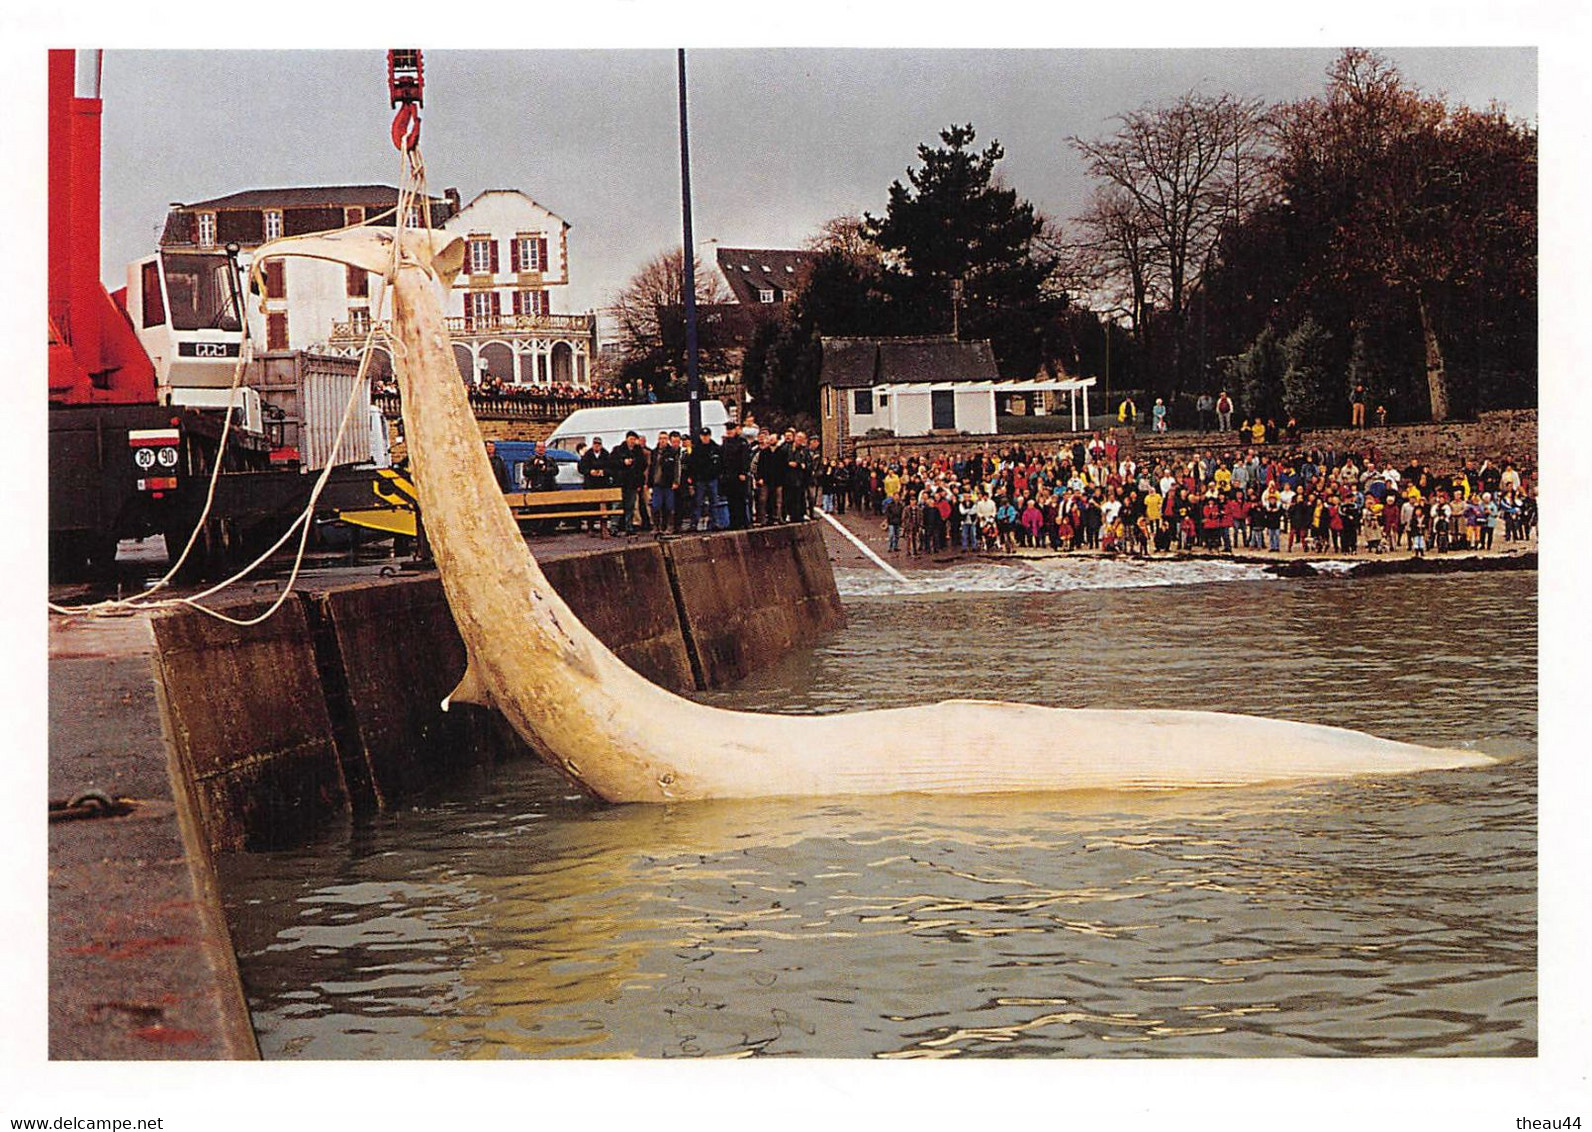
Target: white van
point(611, 423)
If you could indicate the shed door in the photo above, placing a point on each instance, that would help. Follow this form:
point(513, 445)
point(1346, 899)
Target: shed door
point(942, 408)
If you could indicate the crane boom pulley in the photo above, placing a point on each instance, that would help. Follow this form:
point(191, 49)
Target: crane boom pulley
point(406, 84)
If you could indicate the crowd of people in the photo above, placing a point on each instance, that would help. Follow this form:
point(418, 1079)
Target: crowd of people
point(492, 388)
point(1088, 496)
point(1084, 496)
point(750, 478)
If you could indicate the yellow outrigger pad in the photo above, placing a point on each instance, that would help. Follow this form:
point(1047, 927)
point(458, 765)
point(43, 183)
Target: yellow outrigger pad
point(387, 520)
point(395, 490)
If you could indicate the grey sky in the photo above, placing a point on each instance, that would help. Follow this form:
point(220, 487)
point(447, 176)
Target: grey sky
point(782, 139)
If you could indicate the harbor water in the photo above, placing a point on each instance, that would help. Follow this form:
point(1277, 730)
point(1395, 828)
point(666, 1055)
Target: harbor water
point(510, 917)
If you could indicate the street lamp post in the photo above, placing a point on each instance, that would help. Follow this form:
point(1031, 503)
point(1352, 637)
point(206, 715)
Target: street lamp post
point(688, 254)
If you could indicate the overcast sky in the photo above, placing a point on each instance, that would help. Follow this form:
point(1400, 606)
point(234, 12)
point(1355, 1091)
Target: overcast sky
point(781, 139)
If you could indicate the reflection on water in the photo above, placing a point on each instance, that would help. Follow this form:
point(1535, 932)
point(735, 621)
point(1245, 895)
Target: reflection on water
point(1391, 916)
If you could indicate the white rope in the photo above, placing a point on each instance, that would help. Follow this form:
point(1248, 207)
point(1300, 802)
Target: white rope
point(413, 182)
point(865, 548)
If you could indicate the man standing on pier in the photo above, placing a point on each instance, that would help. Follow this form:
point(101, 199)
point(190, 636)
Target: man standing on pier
point(500, 469)
point(630, 472)
point(593, 468)
point(736, 475)
point(665, 476)
point(707, 465)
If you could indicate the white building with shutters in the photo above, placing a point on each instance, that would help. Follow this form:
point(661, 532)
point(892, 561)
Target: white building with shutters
point(502, 313)
point(502, 308)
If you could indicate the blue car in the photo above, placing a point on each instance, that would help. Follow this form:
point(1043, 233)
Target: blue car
point(516, 452)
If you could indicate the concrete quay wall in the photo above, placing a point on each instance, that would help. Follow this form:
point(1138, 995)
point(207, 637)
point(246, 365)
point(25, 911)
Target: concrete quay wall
point(333, 705)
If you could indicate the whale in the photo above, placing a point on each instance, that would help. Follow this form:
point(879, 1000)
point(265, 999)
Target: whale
point(622, 738)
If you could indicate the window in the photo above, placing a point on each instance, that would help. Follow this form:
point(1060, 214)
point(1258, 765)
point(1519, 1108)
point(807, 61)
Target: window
point(530, 303)
point(276, 331)
point(154, 305)
point(353, 215)
point(829, 401)
point(479, 307)
point(273, 223)
point(483, 257)
point(530, 254)
point(207, 229)
point(942, 408)
point(198, 293)
point(359, 320)
point(884, 399)
point(412, 218)
point(275, 279)
point(765, 295)
point(358, 283)
point(862, 402)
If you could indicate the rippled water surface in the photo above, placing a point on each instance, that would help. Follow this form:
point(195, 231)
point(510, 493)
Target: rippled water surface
point(1393, 916)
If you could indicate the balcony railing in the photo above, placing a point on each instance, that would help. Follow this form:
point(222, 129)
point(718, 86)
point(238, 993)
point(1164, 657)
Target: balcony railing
point(585, 325)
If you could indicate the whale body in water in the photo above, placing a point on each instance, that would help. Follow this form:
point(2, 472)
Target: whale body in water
point(624, 739)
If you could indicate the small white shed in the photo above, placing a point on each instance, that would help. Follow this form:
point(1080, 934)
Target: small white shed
point(919, 408)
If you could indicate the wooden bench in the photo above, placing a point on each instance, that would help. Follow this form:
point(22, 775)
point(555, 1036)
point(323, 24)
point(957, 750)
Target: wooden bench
point(601, 503)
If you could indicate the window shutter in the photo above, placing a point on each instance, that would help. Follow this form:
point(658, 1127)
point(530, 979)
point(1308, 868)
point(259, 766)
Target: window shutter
point(497, 306)
point(193, 227)
point(541, 253)
point(275, 280)
point(514, 258)
point(493, 245)
point(518, 306)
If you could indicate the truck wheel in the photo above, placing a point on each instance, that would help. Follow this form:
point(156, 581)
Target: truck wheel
point(68, 556)
point(198, 558)
point(102, 555)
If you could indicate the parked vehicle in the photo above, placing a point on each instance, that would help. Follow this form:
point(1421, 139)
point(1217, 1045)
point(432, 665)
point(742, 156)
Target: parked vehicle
point(612, 422)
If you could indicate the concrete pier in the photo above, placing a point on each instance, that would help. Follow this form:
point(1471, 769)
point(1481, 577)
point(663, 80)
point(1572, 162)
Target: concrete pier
point(141, 965)
point(232, 738)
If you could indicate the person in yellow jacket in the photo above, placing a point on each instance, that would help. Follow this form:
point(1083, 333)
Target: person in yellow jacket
point(1127, 412)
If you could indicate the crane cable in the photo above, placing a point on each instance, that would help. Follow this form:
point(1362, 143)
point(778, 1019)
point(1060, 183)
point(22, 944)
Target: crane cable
point(413, 184)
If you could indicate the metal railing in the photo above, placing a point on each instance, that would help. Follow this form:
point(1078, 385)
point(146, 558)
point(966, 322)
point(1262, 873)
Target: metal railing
point(583, 325)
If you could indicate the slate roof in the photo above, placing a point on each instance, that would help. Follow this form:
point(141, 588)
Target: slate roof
point(749, 270)
point(308, 196)
point(852, 363)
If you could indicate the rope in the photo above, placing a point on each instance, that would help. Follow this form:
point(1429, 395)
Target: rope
point(412, 185)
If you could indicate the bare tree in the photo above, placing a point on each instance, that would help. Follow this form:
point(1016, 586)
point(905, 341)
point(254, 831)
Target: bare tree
point(1412, 194)
point(1178, 174)
point(644, 304)
point(845, 234)
point(1108, 257)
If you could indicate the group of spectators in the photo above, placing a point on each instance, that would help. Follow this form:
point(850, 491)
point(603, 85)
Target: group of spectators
point(1087, 496)
point(492, 388)
point(703, 484)
point(1215, 414)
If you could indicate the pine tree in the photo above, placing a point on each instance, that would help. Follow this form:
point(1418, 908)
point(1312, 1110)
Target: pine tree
point(954, 225)
point(1306, 386)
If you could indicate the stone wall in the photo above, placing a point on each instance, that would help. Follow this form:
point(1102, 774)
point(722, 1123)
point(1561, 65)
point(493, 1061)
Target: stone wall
point(1509, 433)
